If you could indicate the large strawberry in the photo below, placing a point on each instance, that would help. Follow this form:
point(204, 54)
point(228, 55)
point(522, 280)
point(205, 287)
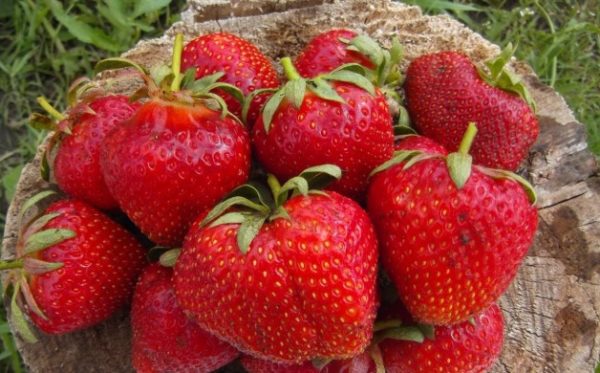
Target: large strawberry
point(164, 339)
point(445, 91)
point(297, 280)
point(241, 64)
point(338, 118)
point(74, 267)
point(452, 235)
point(79, 136)
point(176, 157)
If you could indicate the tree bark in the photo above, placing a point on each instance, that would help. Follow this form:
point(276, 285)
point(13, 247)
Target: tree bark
point(552, 308)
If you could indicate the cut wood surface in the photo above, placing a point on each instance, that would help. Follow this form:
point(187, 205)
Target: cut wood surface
point(552, 308)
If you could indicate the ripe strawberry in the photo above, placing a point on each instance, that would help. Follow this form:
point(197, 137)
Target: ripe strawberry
point(451, 238)
point(299, 287)
point(164, 339)
point(445, 91)
point(157, 163)
point(347, 124)
point(415, 142)
point(326, 52)
point(75, 267)
point(466, 347)
point(242, 63)
point(79, 136)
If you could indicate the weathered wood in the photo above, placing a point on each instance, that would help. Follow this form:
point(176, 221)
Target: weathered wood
point(552, 309)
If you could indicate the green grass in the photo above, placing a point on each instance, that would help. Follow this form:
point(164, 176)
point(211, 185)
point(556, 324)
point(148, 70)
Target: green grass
point(48, 43)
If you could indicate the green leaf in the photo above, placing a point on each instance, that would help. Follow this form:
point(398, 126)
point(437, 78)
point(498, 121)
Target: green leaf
point(294, 91)
point(248, 230)
point(45, 167)
point(235, 217)
point(503, 174)
point(19, 318)
point(250, 98)
point(254, 191)
point(42, 122)
point(396, 52)
point(428, 330)
point(403, 125)
point(36, 266)
point(169, 258)
point(232, 90)
point(83, 31)
point(10, 180)
point(147, 6)
point(201, 85)
point(398, 157)
point(353, 67)
point(368, 47)
point(296, 184)
point(189, 76)
point(220, 208)
point(33, 200)
point(320, 176)
point(117, 63)
point(46, 238)
point(158, 73)
point(405, 333)
point(271, 107)
point(38, 223)
point(353, 78)
point(459, 168)
point(280, 213)
point(324, 90)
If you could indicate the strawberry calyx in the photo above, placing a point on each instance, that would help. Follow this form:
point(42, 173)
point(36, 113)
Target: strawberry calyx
point(295, 89)
point(166, 82)
point(32, 239)
point(169, 258)
point(252, 204)
point(499, 76)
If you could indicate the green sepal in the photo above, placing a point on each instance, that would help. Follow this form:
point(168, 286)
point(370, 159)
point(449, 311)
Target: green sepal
point(459, 168)
point(41, 122)
point(36, 266)
point(377, 356)
point(499, 76)
point(311, 178)
point(159, 74)
point(353, 78)
point(230, 89)
point(280, 213)
point(188, 77)
point(398, 157)
point(403, 120)
point(503, 174)
point(387, 324)
point(221, 207)
point(46, 238)
point(202, 84)
point(471, 321)
point(253, 191)
point(248, 230)
point(38, 223)
point(368, 47)
point(324, 90)
point(19, 318)
point(33, 200)
point(297, 185)
point(235, 217)
point(169, 258)
point(45, 167)
point(118, 63)
point(248, 100)
point(77, 86)
point(404, 333)
point(428, 331)
point(294, 92)
point(221, 105)
point(271, 107)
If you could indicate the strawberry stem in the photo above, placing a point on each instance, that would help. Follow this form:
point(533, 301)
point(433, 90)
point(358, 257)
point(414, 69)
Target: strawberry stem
point(275, 187)
point(10, 264)
point(50, 109)
point(288, 68)
point(176, 63)
point(467, 141)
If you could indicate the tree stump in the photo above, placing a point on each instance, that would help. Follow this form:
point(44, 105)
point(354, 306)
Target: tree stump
point(552, 308)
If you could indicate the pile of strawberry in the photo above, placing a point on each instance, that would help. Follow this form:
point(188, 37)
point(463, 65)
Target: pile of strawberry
point(394, 267)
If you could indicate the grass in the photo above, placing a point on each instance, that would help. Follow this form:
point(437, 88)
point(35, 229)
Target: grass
point(48, 43)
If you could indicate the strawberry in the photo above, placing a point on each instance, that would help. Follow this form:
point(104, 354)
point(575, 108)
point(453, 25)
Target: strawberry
point(445, 91)
point(158, 162)
point(164, 339)
point(471, 346)
point(297, 280)
point(79, 136)
point(75, 267)
point(422, 143)
point(241, 63)
point(324, 120)
point(452, 236)
point(328, 51)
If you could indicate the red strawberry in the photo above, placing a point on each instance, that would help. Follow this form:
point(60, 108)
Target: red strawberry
point(299, 287)
point(451, 240)
point(76, 267)
point(341, 123)
point(471, 347)
point(80, 135)
point(326, 52)
point(445, 91)
point(415, 142)
point(172, 160)
point(242, 63)
point(164, 339)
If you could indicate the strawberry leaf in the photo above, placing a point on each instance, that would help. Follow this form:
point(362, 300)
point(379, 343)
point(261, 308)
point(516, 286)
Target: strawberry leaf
point(37, 266)
point(33, 200)
point(428, 330)
point(503, 174)
point(459, 168)
point(353, 78)
point(405, 333)
point(46, 238)
point(368, 47)
point(324, 90)
point(19, 318)
point(294, 91)
point(117, 63)
point(248, 230)
point(271, 107)
point(221, 207)
point(250, 98)
point(320, 176)
point(230, 218)
point(42, 122)
point(168, 258)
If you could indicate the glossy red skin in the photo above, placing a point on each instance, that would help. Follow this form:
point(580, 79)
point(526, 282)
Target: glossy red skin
point(164, 339)
point(464, 347)
point(77, 163)
point(444, 93)
point(171, 162)
point(450, 252)
point(242, 62)
point(305, 289)
point(420, 143)
point(356, 136)
point(101, 265)
point(325, 52)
